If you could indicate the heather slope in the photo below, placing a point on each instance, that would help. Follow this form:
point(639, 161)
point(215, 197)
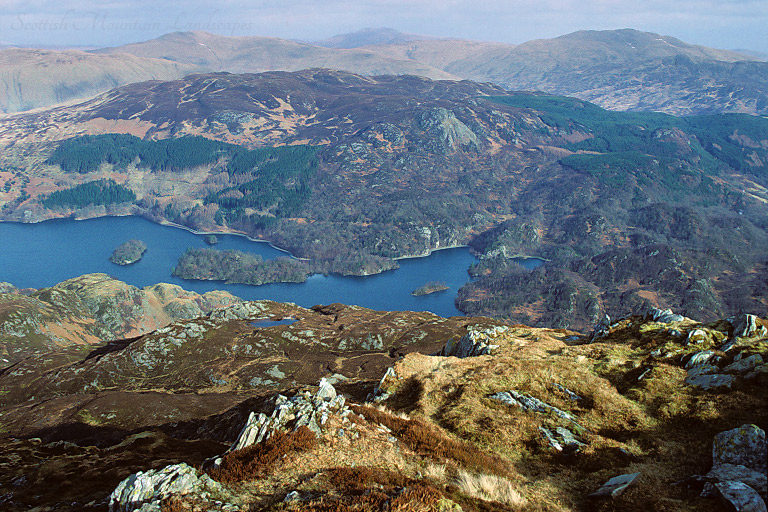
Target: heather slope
point(441, 429)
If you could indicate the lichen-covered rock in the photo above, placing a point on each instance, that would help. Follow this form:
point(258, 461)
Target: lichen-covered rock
point(602, 328)
point(740, 497)
point(379, 393)
point(709, 382)
point(567, 392)
point(738, 473)
point(239, 311)
point(757, 371)
point(529, 403)
point(142, 490)
point(299, 410)
point(745, 446)
point(697, 336)
point(476, 342)
point(745, 365)
point(664, 316)
point(745, 326)
point(326, 391)
point(726, 472)
point(700, 358)
point(561, 439)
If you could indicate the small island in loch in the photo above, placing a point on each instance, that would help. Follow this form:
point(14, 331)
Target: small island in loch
point(237, 267)
point(211, 239)
point(128, 252)
point(432, 287)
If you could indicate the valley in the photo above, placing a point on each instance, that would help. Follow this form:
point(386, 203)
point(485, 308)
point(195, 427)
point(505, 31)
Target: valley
point(382, 271)
point(629, 210)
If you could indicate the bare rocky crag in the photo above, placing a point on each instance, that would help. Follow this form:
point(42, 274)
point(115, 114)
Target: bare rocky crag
point(547, 415)
point(80, 313)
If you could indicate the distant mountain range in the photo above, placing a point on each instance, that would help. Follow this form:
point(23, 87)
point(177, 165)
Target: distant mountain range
point(33, 78)
point(370, 37)
point(617, 69)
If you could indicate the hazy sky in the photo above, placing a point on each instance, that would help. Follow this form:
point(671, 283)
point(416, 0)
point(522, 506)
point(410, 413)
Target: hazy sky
point(726, 24)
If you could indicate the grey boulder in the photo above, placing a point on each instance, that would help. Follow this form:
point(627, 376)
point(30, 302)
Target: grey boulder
point(745, 365)
point(476, 342)
point(745, 446)
point(745, 326)
point(740, 497)
point(145, 490)
point(615, 486)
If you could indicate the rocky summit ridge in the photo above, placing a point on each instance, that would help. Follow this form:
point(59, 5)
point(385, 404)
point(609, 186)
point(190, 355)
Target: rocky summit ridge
point(352, 409)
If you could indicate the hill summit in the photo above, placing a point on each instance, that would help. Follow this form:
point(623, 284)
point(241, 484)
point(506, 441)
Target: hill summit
point(351, 409)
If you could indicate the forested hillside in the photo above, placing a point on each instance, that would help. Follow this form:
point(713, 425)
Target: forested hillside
point(629, 209)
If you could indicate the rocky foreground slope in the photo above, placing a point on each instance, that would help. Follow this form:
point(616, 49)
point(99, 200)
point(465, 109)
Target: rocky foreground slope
point(412, 412)
point(83, 312)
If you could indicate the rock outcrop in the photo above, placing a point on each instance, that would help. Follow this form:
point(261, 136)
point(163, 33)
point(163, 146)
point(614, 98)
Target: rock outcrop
point(707, 377)
point(144, 491)
point(562, 439)
point(615, 486)
point(529, 403)
point(708, 371)
point(738, 474)
point(304, 409)
point(745, 326)
point(664, 316)
point(745, 445)
point(92, 309)
point(183, 394)
point(602, 328)
point(740, 497)
point(239, 311)
point(477, 342)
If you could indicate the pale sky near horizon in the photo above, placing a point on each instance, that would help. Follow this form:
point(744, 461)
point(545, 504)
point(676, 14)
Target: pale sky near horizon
point(728, 24)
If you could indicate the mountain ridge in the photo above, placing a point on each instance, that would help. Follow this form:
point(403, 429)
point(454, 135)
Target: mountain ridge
point(35, 78)
point(621, 69)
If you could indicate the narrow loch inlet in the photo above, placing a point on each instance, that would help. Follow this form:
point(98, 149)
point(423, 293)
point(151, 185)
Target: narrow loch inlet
point(43, 254)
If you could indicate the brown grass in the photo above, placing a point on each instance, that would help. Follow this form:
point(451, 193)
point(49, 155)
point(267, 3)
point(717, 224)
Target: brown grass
point(173, 504)
point(368, 489)
point(427, 440)
point(357, 480)
point(489, 488)
point(257, 460)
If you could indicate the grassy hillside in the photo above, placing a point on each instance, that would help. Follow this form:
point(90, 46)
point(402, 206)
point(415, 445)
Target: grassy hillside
point(38, 78)
point(427, 419)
